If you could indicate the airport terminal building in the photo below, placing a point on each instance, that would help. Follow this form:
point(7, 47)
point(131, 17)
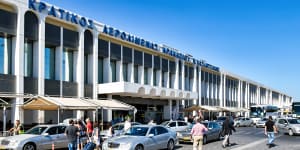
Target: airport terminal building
point(48, 51)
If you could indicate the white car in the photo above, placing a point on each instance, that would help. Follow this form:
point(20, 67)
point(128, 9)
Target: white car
point(243, 122)
point(288, 125)
point(118, 129)
point(176, 125)
point(38, 137)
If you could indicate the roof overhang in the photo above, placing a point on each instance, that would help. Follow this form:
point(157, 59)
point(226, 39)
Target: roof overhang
point(146, 91)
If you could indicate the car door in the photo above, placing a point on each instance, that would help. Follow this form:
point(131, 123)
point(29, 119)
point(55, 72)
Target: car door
point(182, 126)
point(212, 131)
point(280, 124)
point(62, 140)
point(162, 137)
point(50, 138)
point(152, 143)
point(173, 126)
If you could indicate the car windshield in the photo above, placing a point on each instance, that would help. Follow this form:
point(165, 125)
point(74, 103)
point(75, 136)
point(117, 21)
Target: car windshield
point(165, 123)
point(264, 119)
point(36, 130)
point(137, 131)
point(294, 121)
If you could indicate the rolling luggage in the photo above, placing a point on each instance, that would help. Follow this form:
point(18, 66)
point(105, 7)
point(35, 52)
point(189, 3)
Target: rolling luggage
point(89, 146)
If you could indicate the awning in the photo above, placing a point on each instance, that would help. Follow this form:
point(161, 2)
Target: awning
point(55, 103)
point(229, 109)
point(111, 104)
point(203, 108)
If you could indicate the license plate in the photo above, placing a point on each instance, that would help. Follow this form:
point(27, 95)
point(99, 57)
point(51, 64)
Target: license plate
point(186, 138)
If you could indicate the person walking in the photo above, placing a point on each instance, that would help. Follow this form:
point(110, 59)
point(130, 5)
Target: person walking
point(72, 132)
point(270, 129)
point(197, 134)
point(227, 128)
point(89, 129)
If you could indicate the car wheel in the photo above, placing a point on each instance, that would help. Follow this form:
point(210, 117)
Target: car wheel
point(139, 147)
point(170, 145)
point(29, 146)
point(291, 132)
point(204, 140)
point(238, 125)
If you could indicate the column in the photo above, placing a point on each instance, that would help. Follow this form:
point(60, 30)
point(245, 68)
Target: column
point(80, 64)
point(95, 65)
point(17, 48)
point(239, 94)
point(39, 47)
point(199, 85)
point(176, 83)
point(194, 88)
point(131, 68)
point(170, 106)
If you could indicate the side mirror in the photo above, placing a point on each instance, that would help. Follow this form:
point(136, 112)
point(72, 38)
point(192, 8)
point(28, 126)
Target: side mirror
point(151, 135)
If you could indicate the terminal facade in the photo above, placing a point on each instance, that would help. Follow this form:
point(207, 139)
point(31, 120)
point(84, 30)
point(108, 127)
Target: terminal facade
point(46, 50)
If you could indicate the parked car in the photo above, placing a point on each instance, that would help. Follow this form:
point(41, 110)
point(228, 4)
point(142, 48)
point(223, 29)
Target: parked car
point(38, 137)
point(247, 122)
point(290, 126)
point(261, 123)
point(176, 125)
point(140, 137)
point(118, 129)
point(213, 133)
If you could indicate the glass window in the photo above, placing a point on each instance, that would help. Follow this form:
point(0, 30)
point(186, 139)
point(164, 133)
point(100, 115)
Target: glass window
point(100, 70)
point(161, 130)
point(113, 70)
point(154, 77)
point(145, 75)
point(49, 63)
point(180, 81)
point(136, 74)
point(5, 55)
point(125, 72)
point(85, 68)
point(68, 65)
point(28, 59)
point(163, 79)
point(172, 124)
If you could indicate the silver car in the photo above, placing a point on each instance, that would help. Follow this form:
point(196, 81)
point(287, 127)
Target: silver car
point(142, 137)
point(176, 125)
point(290, 126)
point(261, 123)
point(118, 129)
point(213, 133)
point(243, 122)
point(38, 137)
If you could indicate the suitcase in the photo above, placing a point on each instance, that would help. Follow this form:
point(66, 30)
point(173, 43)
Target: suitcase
point(89, 146)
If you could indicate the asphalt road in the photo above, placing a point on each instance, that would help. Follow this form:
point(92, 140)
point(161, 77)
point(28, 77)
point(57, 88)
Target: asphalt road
point(250, 138)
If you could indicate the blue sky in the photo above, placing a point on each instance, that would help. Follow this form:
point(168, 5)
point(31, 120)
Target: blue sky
point(256, 39)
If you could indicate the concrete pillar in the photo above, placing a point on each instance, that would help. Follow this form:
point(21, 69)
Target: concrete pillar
point(199, 85)
point(176, 80)
point(95, 64)
point(18, 69)
point(80, 65)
